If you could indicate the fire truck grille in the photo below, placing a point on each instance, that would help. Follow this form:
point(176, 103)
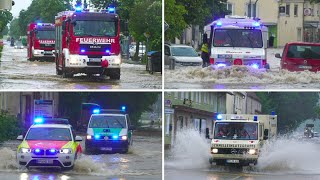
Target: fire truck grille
point(46, 45)
point(96, 47)
point(94, 63)
point(232, 151)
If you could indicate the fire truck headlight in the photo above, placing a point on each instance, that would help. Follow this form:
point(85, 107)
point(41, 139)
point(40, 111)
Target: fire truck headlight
point(252, 151)
point(73, 59)
point(214, 151)
point(117, 60)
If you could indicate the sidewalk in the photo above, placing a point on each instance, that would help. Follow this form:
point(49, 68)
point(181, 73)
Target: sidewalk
point(129, 61)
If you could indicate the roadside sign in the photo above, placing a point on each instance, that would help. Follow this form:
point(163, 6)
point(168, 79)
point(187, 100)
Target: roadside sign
point(168, 111)
point(166, 26)
point(167, 103)
point(43, 108)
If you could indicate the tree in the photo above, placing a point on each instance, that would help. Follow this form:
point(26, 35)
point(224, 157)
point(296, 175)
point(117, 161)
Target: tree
point(15, 29)
point(292, 108)
point(41, 11)
point(5, 18)
point(193, 12)
point(137, 103)
point(174, 17)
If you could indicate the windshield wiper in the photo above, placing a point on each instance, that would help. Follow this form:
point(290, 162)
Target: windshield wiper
point(249, 41)
point(230, 39)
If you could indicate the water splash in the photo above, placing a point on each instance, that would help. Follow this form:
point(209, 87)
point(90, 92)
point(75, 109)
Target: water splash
point(190, 151)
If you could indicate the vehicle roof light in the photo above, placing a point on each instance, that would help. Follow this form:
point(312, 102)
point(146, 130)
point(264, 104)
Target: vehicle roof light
point(219, 23)
point(83, 50)
point(96, 111)
point(273, 113)
point(123, 108)
point(255, 118)
point(39, 24)
point(38, 120)
point(111, 9)
point(219, 116)
point(256, 24)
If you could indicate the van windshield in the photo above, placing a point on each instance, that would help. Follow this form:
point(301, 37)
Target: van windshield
point(107, 121)
point(50, 134)
point(304, 51)
point(236, 130)
point(251, 38)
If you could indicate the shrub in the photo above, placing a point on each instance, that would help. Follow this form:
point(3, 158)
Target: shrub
point(9, 126)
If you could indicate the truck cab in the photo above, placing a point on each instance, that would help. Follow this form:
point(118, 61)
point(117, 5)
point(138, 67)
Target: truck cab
point(237, 40)
point(88, 42)
point(237, 139)
point(41, 41)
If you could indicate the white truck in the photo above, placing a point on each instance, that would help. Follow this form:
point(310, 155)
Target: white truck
point(237, 139)
point(237, 40)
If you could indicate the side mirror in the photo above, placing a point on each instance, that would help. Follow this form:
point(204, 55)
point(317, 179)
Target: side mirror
point(166, 53)
point(78, 139)
point(132, 128)
point(74, 22)
point(277, 55)
point(20, 138)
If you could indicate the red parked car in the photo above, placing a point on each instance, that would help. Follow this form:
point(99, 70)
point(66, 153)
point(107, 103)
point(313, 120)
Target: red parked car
point(300, 56)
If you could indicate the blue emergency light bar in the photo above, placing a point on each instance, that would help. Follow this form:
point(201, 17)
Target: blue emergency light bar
point(273, 113)
point(256, 24)
point(78, 8)
point(96, 111)
point(255, 118)
point(38, 120)
point(219, 116)
point(219, 23)
point(111, 9)
point(123, 108)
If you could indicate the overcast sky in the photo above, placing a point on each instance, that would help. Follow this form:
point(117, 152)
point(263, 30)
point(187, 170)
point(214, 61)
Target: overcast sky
point(20, 4)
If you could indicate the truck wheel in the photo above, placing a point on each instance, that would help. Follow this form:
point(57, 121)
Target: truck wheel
point(114, 74)
point(58, 71)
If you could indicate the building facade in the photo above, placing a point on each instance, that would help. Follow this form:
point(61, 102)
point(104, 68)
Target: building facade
point(287, 20)
point(21, 104)
point(191, 110)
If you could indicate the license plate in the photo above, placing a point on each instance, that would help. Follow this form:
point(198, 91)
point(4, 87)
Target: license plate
point(305, 67)
point(106, 149)
point(45, 161)
point(94, 60)
point(106, 138)
point(232, 161)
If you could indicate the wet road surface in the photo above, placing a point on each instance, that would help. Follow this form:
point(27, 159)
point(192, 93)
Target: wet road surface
point(18, 73)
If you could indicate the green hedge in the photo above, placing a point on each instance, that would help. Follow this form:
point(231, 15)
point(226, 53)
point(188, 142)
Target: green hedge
point(10, 127)
point(1, 48)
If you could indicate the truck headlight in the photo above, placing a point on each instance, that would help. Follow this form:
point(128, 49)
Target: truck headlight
point(89, 137)
point(117, 60)
point(73, 59)
point(252, 151)
point(25, 150)
point(66, 151)
point(214, 151)
point(124, 137)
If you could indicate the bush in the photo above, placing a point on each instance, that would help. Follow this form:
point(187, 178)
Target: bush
point(1, 48)
point(9, 126)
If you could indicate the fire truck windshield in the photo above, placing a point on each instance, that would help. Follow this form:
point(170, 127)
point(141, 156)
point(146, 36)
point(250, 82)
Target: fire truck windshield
point(95, 28)
point(251, 38)
point(45, 34)
point(236, 130)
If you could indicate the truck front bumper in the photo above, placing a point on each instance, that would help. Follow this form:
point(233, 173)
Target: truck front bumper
point(242, 159)
point(106, 145)
point(55, 161)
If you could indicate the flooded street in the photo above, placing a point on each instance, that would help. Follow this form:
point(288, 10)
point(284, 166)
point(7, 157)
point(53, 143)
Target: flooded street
point(142, 162)
point(241, 77)
point(18, 73)
point(288, 157)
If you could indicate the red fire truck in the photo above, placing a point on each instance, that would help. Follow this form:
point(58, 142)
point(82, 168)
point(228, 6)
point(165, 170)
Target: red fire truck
point(88, 42)
point(41, 41)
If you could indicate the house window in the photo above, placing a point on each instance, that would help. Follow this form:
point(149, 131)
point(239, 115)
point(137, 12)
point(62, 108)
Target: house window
point(182, 96)
point(230, 8)
point(251, 10)
point(299, 34)
point(288, 9)
point(295, 10)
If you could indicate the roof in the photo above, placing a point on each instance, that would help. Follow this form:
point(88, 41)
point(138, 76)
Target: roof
point(303, 43)
point(178, 45)
point(50, 126)
point(109, 114)
point(254, 96)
